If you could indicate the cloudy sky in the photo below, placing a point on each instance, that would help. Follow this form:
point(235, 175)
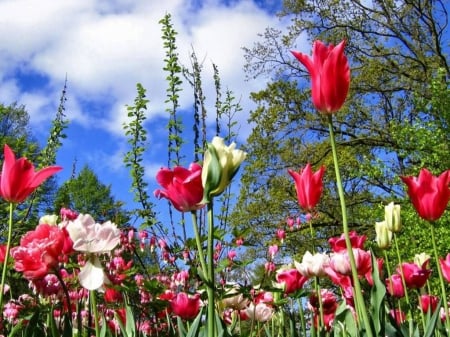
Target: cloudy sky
point(105, 47)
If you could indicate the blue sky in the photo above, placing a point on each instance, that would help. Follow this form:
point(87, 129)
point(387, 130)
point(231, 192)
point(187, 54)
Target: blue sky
point(105, 47)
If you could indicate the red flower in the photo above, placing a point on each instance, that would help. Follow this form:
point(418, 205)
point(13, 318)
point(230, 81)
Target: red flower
point(415, 276)
point(185, 306)
point(309, 186)
point(429, 194)
point(398, 315)
point(394, 286)
point(2, 253)
point(428, 302)
point(18, 179)
point(445, 267)
point(113, 296)
point(330, 75)
point(293, 280)
point(39, 251)
point(338, 243)
point(183, 187)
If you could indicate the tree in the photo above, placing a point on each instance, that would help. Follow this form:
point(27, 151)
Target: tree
point(86, 194)
point(395, 49)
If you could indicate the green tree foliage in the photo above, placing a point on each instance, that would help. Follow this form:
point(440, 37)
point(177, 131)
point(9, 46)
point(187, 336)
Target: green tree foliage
point(85, 193)
point(392, 124)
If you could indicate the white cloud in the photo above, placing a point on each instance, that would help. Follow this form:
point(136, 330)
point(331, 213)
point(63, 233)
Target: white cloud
point(105, 47)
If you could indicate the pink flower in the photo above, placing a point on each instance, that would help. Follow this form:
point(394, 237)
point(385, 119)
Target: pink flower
point(39, 251)
point(429, 194)
point(19, 179)
point(330, 75)
point(394, 286)
point(273, 250)
point(292, 280)
point(415, 276)
point(338, 243)
point(340, 262)
point(281, 235)
point(445, 267)
point(182, 187)
point(186, 306)
point(309, 186)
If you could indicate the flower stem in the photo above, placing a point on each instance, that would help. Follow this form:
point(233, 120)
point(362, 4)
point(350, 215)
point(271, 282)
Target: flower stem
point(441, 279)
point(199, 244)
point(8, 247)
point(210, 264)
point(359, 301)
point(95, 310)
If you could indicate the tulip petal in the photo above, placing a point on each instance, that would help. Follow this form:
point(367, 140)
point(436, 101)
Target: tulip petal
point(92, 276)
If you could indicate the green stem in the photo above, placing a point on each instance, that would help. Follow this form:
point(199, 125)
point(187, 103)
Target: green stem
point(199, 245)
point(95, 310)
point(359, 301)
point(441, 279)
point(210, 264)
point(302, 318)
point(403, 277)
point(8, 247)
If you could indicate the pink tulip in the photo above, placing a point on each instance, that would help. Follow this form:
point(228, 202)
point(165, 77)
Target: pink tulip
point(292, 280)
point(340, 262)
point(330, 75)
point(415, 276)
point(429, 194)
point(394, 286)
point(309, 186)
point(182, 187)
point(19, 179)
point(186, 306)
point(445, 267)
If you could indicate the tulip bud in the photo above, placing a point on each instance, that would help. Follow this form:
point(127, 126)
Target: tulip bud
point(220, 164)
point(392, 217)
point(384, 235)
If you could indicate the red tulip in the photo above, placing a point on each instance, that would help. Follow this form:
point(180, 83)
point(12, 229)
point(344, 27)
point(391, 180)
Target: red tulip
point(428, 302)
point(429, 194)
point(39, 251)
point(330, 75)
point(183, 187)
point(185, 306)
point(309, 186)
point(340, 262)
point(292, 280)
point(18, 179)
point(338, 243)
point(415, 276)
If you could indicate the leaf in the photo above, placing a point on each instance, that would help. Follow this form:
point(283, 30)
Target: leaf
point(194, 328)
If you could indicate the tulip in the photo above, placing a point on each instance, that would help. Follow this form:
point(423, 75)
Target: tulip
point(19, 179)
point(340, 262)
point(394, 286)
point(415, 276)
point(182, 187)
point(392, 217)
point(422, 260)
point(338, 243)
point(330, 75)
point(428, 302)
point(383, 235)
point(185, 306)
point(313, 265)
point(398, 315)
point(292, 280)
point(260, 312)
point(220, 165)
point(309, 186)
point(445, 267)
point(429, 194)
